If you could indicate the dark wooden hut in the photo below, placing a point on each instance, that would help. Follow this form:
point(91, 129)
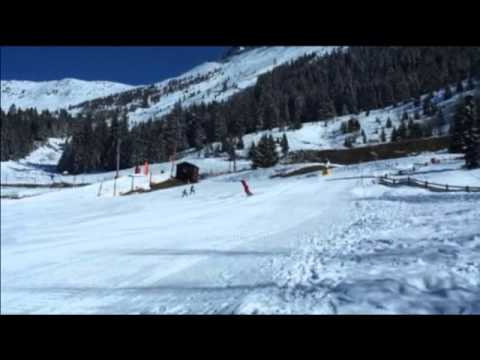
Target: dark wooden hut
point(187, 172)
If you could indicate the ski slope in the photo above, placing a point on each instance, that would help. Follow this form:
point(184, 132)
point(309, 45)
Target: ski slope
point(36, 168)
point(307, 244)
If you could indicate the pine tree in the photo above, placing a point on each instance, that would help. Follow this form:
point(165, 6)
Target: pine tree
point(410, 129)
point(439, 122)
point(457, 129)
point(199, 136)
point(416, 102)
point(394, 135)
point(427, 130)
point(251, 151)
point(348, 142)
point(389, 123)
point(448, 93)
point(415, 130)
point(470, 84)
point(217, 151)
point(265, 154)
point(402, 131)
point(383, 137)
point(240, 144)
point(428, 108)
point(284, 145)
point(354, 125)
point(472, 134)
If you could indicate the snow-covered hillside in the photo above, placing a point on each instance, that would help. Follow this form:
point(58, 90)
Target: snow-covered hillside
point(54, 95)
point(306, 244)
point(35, 168)
point(321, 135)
point(227, 78)
point(213, 81)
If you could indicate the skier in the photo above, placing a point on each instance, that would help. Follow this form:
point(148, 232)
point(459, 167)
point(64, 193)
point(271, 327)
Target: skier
point(185, 193)
point(192, 190)
point(245, 188)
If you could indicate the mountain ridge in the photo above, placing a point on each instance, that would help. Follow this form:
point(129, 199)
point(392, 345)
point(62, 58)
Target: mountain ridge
point(214, 80)
point(55, 94)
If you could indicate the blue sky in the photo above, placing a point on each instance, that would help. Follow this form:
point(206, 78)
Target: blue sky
point(129, 65)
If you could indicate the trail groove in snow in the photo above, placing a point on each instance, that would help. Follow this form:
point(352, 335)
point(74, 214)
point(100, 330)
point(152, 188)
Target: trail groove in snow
point(306, 244)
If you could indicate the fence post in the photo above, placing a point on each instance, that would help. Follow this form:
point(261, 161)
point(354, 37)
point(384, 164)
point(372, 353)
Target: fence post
point(115, 186)
point(100, 189)
point(426, 184)
point(446, 187)
point(133, 178)
point(468, 188)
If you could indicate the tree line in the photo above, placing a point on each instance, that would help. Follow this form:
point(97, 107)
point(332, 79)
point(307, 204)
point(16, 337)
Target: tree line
point(465, 130)
point(23, 130)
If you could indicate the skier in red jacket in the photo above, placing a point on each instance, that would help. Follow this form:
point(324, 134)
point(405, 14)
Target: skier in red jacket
point(245, 188)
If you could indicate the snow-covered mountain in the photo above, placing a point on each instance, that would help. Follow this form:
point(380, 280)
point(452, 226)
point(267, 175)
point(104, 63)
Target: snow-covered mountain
point(217, 80)
point(54, 95)
point(210, 81)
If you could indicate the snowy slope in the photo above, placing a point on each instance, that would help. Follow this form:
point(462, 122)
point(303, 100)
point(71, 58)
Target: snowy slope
point(54, 95)
point(217, 80)
point(327, 134)
point(308, 244)
point(39, 168)
point(34, 168)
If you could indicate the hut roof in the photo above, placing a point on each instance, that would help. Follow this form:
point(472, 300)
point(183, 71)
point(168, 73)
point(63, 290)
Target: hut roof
point(185, 163)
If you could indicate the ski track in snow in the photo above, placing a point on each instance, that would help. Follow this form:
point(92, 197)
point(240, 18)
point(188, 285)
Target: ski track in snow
point(396, 256)
point(307, 244)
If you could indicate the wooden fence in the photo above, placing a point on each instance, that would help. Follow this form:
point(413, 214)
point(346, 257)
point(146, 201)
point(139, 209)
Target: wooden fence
point(384, 180)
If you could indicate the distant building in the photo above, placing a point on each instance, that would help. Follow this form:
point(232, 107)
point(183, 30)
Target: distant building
point(187, 172)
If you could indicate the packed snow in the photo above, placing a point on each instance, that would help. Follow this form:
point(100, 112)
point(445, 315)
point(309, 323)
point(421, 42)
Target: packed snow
point(54, 95)
point(305, 244)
